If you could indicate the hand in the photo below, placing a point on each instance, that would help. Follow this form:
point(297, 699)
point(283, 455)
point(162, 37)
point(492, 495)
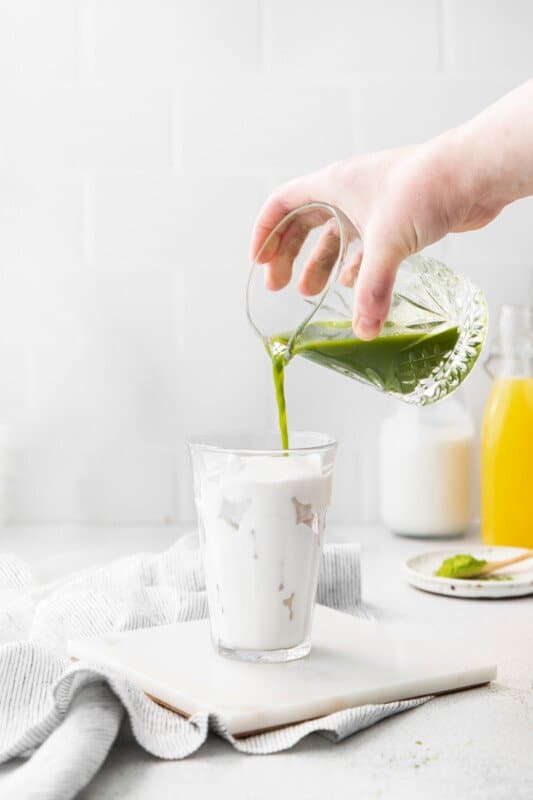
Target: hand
point(399, 201)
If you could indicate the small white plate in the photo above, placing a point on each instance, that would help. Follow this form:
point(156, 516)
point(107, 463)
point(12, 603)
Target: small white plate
point(420, 572)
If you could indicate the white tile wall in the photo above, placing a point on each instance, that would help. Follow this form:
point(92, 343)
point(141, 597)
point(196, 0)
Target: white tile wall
point(136, 221)
point(138, 138)
point(251, 127)
point(391, 111)
point(161, 42)
point(39, 41)
point(74, 128)
point(41, 220)
point(346, 36)
point(489, 36)
point(129, 41)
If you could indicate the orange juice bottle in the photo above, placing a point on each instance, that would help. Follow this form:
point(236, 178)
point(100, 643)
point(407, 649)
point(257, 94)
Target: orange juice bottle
point(507, 434)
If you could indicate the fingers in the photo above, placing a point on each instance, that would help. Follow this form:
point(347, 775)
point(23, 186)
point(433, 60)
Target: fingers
point(317, 270)
point(278, 270)
point(277, 249)
point(374, 287)
point(272, 212)
point(287, 198)
point(350, 270)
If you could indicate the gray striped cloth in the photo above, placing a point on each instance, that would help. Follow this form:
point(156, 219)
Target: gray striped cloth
point(63, 718)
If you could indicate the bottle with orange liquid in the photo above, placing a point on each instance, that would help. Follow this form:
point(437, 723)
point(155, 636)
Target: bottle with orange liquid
point(507, 434)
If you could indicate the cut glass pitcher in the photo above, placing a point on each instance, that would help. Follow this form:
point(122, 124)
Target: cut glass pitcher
point(429, 343)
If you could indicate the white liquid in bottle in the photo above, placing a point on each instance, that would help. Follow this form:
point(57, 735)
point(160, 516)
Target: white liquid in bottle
point(426, 470)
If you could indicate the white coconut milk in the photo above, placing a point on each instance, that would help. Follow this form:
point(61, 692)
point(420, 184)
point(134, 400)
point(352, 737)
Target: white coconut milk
point(262, 522)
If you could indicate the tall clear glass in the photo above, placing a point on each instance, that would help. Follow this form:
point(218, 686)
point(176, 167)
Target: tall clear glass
point(261, 517)
point(431, 338)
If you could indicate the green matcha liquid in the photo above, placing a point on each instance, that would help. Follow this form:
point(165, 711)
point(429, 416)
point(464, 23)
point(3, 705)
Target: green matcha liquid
point(278, 373)
point(395, 362)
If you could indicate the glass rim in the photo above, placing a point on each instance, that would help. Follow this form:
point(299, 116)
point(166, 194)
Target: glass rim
point(203, 444)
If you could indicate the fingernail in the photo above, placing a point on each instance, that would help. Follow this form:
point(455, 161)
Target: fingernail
point(366, 327)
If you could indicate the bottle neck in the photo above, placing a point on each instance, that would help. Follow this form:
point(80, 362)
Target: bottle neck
point(510, 366)
point(511, 354)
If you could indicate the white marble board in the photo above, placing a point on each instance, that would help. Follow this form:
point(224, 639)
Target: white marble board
point(353, 662)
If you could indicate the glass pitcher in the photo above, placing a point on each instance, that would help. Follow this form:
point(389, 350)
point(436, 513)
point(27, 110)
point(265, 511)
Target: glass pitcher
point(507, 433)
point(429, 343)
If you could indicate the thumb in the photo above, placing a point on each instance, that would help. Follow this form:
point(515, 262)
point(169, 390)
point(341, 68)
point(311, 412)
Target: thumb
point(373, 290)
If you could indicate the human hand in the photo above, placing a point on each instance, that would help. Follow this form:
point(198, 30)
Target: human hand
point(399, 201)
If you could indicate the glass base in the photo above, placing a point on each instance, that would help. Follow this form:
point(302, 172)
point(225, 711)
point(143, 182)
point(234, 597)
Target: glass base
point(266, 656)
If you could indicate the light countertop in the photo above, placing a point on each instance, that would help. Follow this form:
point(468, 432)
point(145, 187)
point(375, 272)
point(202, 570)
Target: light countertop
point(473, 744)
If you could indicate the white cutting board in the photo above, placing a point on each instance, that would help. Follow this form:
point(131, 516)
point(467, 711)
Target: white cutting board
point(352, 662)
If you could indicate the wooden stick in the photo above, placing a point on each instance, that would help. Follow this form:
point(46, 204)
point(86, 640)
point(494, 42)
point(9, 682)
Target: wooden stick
point(506, 562)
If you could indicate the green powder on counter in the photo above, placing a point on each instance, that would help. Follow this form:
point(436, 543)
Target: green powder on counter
point(464, 566)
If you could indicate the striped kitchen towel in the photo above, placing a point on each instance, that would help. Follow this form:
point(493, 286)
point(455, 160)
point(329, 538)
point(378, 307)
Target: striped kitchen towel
point(63, 718)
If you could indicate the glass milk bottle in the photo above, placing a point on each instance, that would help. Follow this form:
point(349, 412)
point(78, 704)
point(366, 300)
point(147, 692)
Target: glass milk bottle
point(426, 470)
point(507, 434)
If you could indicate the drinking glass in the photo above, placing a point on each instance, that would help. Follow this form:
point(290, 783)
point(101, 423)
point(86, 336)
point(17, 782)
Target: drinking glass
point(261, 518)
